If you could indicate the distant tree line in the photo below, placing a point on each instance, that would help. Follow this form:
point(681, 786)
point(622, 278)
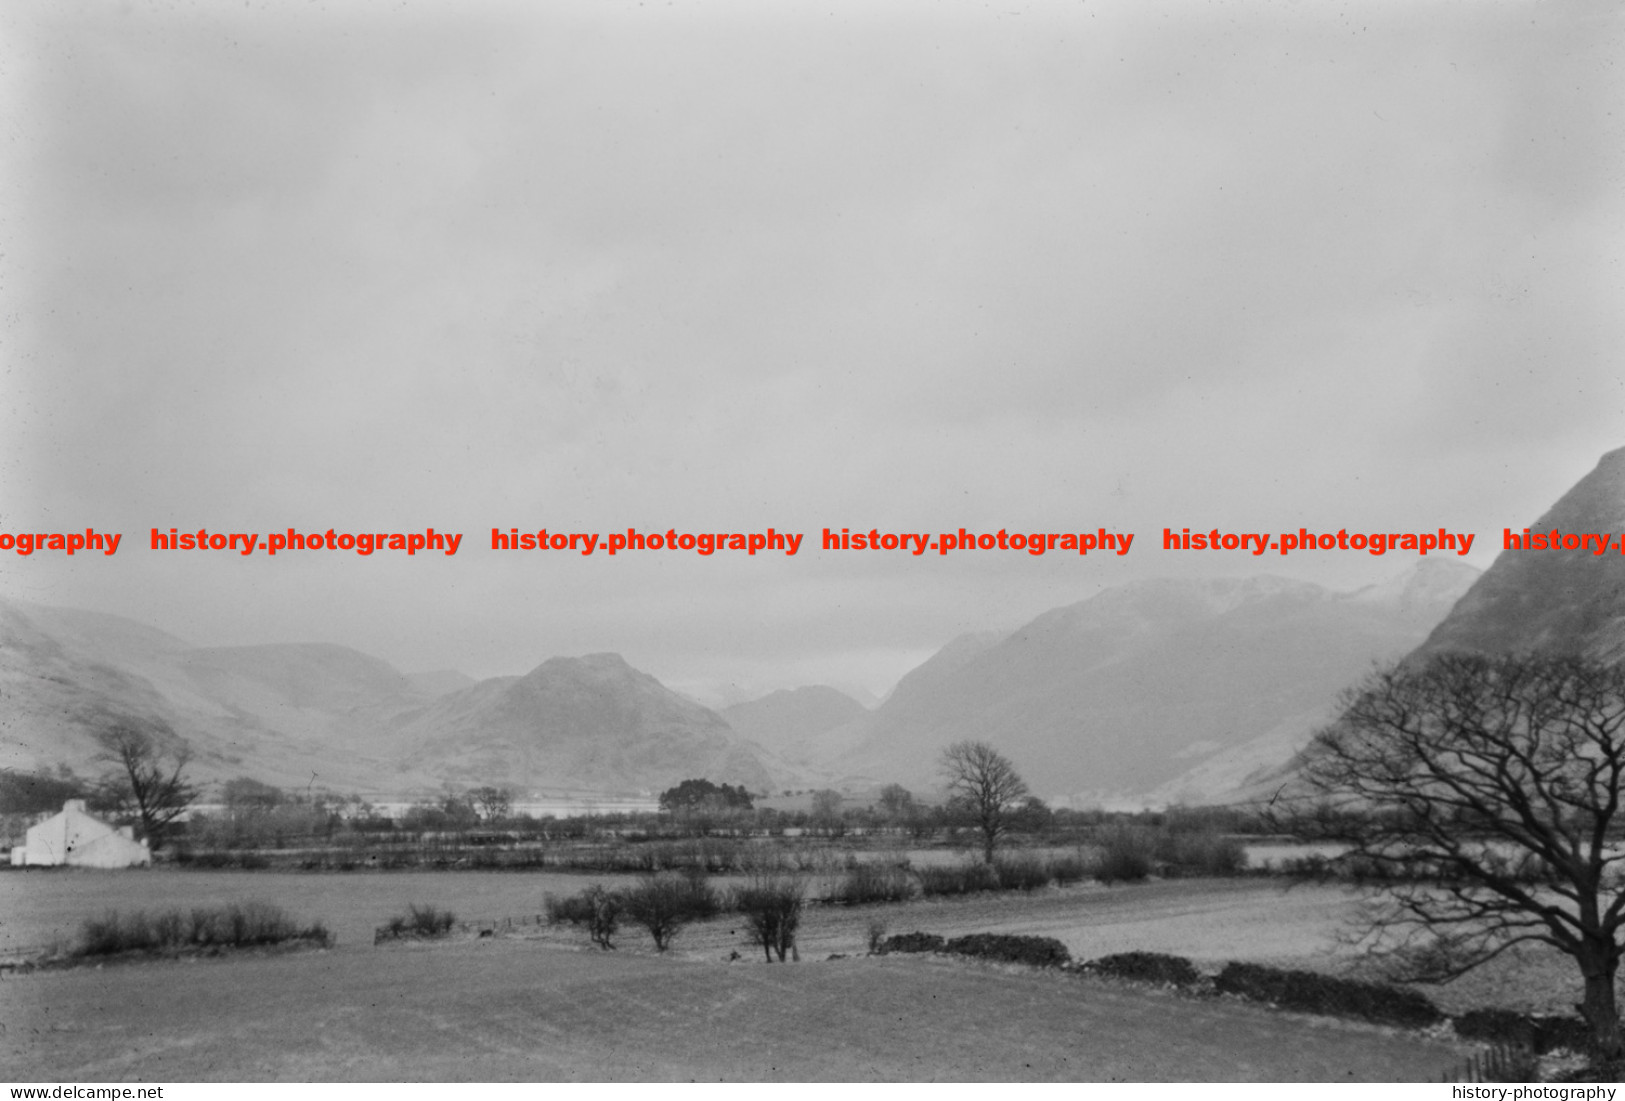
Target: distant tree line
point(247, 813)
point(41, 792)
point(704, 795)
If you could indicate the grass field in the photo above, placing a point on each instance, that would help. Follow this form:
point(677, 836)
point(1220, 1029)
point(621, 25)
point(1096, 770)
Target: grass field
point(1205, 919)
point(511, 1009)
point(548, 1007)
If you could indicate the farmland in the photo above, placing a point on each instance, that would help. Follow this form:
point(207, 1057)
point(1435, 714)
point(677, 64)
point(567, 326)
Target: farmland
point(543, 1005)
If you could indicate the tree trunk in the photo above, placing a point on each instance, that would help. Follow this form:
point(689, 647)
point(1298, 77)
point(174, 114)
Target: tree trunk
point(1600, 1008)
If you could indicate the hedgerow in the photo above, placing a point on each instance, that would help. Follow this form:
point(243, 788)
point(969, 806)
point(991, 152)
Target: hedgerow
point(1313, 992)
point(911, 942)
point(868, 882)
point(1020, 872)
point(957, 879)
point(238, 925)
point(1147, 967)
point(1069, 869)
point(1035, 951)
point(1126, 855)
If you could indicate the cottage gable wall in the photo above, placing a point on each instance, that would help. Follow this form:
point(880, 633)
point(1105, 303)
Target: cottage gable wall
point(77, 838)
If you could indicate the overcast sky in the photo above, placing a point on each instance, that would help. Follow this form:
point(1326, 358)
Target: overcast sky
point(709, 266)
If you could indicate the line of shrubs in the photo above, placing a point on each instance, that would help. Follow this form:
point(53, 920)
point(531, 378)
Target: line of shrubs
point(1121, 853)
point(382, 858)
point(690, 897)
point(1303, 991)
point(1312, 992)
point(238, 925)
point(418, 923)
point(878, 882)
point(1033, 951)
point(1151, 967)
point(663, 903)
point(1118, 851)
point(1124, 856)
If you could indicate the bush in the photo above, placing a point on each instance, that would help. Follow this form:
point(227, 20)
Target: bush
point(114, 932)
point(1065, 870)
point(866, 882)
point(1020, 872)
point(662, 904)
point(1147, 967)
point(1035, 951)
point(957, 879)
point(596, 908)
point(772, 906)
point(573, 908)
point(239, 925)
point(699, 900)
point(1312, 992)
point(1126, 856)
point(419, 922)
point(1206, 852)
point(426, 921)
point(911, 942)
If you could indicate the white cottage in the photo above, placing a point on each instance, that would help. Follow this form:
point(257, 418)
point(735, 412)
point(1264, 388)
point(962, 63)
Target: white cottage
point(78, 838)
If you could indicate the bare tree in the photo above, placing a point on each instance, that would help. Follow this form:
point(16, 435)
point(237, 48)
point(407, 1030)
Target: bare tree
point(492, 804)
point(897, 802)
point(984, 782)
point(603, 915)
point(146, 781)
point(661, 904)
point(595, 907)
point(1485, 792)
point(826, 804)
point(772, 905)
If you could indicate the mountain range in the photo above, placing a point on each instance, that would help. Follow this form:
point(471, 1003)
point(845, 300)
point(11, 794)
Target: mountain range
point(313, 713)
point(1149, 692)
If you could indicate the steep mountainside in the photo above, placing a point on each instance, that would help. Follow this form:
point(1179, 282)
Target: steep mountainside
point(1533, 599)
point(293, 714)
point(1119, 697)
point(1552, 599)
point(64, 671)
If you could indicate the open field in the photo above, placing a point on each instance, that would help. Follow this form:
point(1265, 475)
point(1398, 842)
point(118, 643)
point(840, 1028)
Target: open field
point(1207, 919)
point(38, 906)
point(512, 1009)
point(545, 1005)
